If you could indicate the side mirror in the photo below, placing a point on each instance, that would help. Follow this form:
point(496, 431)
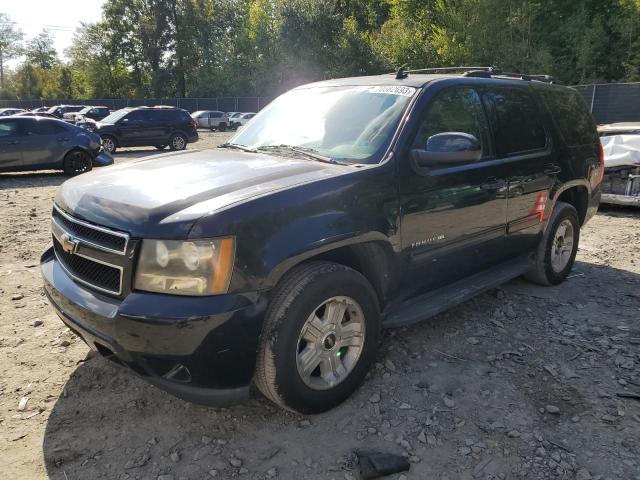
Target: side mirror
point(448, 148)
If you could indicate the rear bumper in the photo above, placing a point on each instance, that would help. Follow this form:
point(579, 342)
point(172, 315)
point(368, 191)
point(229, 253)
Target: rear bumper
point(201, 349)
point(626, 200)
point(193, 136)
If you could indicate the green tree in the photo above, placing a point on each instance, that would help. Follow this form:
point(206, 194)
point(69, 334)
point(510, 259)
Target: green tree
point(10, 43)
point(41, 52)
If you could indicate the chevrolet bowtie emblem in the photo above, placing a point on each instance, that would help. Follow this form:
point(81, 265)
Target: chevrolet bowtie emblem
point(69, 244)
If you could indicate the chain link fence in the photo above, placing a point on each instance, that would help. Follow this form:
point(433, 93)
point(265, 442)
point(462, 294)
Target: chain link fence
point(612, 102)
point(608, 102)
point(225, 104)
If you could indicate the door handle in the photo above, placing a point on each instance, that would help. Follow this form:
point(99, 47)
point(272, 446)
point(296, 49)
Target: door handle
point(551, 169)
point(61, 140)
point(493, 184)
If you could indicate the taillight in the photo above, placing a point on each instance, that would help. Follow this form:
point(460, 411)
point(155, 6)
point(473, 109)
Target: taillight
point(600, 162)
point(194, 124)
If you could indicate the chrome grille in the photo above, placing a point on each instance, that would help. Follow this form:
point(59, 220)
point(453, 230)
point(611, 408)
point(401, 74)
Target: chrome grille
point(92, 255)
point(99, 237)
point(106, 278)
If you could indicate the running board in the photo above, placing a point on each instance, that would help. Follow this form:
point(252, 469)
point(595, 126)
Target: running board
point(429, 304)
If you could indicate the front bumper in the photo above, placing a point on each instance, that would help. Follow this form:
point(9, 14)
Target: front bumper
point(102, 159)
point(201, 349)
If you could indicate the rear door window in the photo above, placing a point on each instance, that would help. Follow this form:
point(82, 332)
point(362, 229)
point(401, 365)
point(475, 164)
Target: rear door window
point(516, 119)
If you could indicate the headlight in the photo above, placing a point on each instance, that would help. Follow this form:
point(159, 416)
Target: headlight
point(193, 267)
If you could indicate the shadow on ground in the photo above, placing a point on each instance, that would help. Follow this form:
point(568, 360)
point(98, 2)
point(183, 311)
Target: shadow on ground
point(110, 424)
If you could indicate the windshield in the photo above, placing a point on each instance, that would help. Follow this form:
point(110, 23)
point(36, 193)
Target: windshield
point(342, 123)
point(115, 116)
point(85, 110)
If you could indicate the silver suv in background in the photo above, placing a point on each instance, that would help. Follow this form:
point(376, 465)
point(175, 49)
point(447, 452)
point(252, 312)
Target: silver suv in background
point(211, 119)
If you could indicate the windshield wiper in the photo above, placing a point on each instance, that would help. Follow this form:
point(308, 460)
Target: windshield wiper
point(307, 152)
point(238, 146)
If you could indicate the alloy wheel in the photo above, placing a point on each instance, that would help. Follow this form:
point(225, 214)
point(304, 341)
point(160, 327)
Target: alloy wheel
point(562, 246)
point(330, 343)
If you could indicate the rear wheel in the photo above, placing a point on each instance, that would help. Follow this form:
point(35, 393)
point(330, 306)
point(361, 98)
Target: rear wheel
point(178, 142)
point(77, 162)
point(319, 339)
point(557, 250)
point(222, 127)
point(109, 143)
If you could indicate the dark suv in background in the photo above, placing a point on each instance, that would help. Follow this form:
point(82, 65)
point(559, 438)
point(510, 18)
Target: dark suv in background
point(277, 258)
point(147, 126)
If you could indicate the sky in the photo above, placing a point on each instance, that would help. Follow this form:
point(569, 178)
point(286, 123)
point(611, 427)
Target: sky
point(60, 17)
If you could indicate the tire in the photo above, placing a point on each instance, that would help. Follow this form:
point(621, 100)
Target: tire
point(160, 147)
point(222, 127)
point(178, 141)
point(77, 162)
point(109, 143)
point(317, 288)
point(554, 258)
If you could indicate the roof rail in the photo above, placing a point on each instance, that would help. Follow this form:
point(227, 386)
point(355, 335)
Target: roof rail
point(482, 72)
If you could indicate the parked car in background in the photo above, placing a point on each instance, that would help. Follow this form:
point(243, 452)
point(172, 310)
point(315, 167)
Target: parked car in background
point(147, 126)
point(92, 112)
point(243, 119)
point(5, 112)
point(40, 109)
point(233, 118)
point(211, 119)
point(36, 143)
point(277, 258)
point(59, 110)
point(621, 147)
point(35, 114)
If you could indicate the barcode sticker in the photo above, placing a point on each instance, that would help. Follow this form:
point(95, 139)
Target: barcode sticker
point(394, 90)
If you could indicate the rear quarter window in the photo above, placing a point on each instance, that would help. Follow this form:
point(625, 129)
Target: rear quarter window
point(571, 115)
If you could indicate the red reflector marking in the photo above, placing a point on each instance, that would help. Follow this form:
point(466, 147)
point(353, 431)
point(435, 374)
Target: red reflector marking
point(539, 205)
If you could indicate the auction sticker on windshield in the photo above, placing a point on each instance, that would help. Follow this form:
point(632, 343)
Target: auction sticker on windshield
point(394, 90)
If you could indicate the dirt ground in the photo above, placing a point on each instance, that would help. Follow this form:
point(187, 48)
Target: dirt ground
point(520, 382)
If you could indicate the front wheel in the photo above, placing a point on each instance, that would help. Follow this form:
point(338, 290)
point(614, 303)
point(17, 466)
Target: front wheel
point(76, 162)
point(557, 250)
point(319, 339)
point(178, 142)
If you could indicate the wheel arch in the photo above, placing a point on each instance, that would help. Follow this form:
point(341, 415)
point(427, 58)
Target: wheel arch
point(371, 255)
point(576, 195)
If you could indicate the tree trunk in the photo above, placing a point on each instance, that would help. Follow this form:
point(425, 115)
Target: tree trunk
point(1, 70)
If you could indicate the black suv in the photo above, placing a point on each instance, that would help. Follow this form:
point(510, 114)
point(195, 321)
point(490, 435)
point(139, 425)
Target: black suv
point(146, 127)
point(277, 258)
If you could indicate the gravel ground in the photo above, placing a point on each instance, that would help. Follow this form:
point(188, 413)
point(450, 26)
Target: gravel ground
point(520, 382)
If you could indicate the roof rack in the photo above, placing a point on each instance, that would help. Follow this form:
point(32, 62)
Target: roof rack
point(481, 72)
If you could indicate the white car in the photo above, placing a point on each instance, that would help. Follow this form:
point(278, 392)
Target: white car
point(621, 148)
point(5, 112)
point(242, 120)
point(211, 119)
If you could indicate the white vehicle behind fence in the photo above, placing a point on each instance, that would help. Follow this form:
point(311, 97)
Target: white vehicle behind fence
point(211, 119)
point(242, 120)
point(621, 146)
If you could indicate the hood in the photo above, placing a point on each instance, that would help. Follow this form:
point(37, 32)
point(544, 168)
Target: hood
point(164, 195)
